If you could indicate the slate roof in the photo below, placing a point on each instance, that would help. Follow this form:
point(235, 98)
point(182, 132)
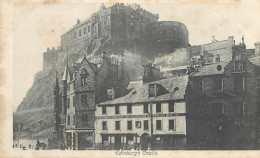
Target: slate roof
point(210, 69)
point(174, 68)
point(134, 84)
point(140, 93)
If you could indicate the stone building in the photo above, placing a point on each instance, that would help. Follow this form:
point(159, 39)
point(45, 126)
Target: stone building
point(126, 22)
point(151, 115)
point(83, 86)
point(223, 104)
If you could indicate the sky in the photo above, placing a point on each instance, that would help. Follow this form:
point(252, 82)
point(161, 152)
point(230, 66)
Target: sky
point(38, 26)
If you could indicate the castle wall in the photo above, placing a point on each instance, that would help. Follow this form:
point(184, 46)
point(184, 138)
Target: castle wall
point(49, 58)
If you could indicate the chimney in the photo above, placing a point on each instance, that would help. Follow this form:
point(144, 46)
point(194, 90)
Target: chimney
point(151, 73)
point(111, 93)
point(231, 40)
point(213, 39)
point(257, 48)
point(78, 21)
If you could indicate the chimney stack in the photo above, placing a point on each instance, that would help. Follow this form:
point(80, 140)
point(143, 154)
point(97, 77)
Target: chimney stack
point(257, 48)
point(213, 39)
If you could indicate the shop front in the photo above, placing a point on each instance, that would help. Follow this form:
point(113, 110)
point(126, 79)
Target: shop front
point(80, 139)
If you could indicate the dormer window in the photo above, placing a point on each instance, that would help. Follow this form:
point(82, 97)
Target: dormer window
point(152, 88)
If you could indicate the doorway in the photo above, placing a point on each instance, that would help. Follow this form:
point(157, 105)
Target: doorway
point(145, 141)
point(117, 142)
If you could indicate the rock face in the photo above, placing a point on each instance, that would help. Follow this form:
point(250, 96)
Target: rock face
point(143, 38)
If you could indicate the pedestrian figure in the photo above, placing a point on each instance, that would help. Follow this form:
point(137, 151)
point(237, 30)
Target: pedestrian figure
point(102, 146)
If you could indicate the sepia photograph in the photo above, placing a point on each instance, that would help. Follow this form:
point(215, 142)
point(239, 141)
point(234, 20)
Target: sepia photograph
point(134, 78)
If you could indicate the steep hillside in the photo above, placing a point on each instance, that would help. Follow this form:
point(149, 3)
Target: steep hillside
point(31, 121)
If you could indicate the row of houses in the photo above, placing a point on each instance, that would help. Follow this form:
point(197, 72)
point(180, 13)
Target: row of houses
point(211, 106)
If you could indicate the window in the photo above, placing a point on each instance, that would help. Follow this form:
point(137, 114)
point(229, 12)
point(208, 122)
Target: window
point(146, 125)
point(83, 80)
point(238, 82)
point(68, 123)
point(218, 83)
point(151, 90)
point(74, 119)
point(116, 109)
point(171, 106)
point(130, 139)
point(68, 102)
point(84, 118)
point(145, 108)
point(238, 109)
point(129, 108)
point(138, 124)
point(83, 77)
point(104, 125)
point(84, 98)
point(129, 125)
point(158, 125)
point(79, 32)
point(238, 65)
point(75, 35)
point(85, 30)
point(117, 125)
point(171, 125)
point(104, 110)
point(104, 139)
point(158, 107)
point(88, 28)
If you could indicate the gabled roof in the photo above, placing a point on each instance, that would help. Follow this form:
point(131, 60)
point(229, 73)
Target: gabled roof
point(93, 66)
point(210, 69)
point(176, 87)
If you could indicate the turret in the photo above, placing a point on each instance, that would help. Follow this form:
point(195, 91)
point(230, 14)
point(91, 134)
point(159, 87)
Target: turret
point(65, 80)
point(57, 109)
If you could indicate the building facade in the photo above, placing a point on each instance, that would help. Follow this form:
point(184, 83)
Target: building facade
point(152, 115)
point(223, 104)
point(75, 104)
